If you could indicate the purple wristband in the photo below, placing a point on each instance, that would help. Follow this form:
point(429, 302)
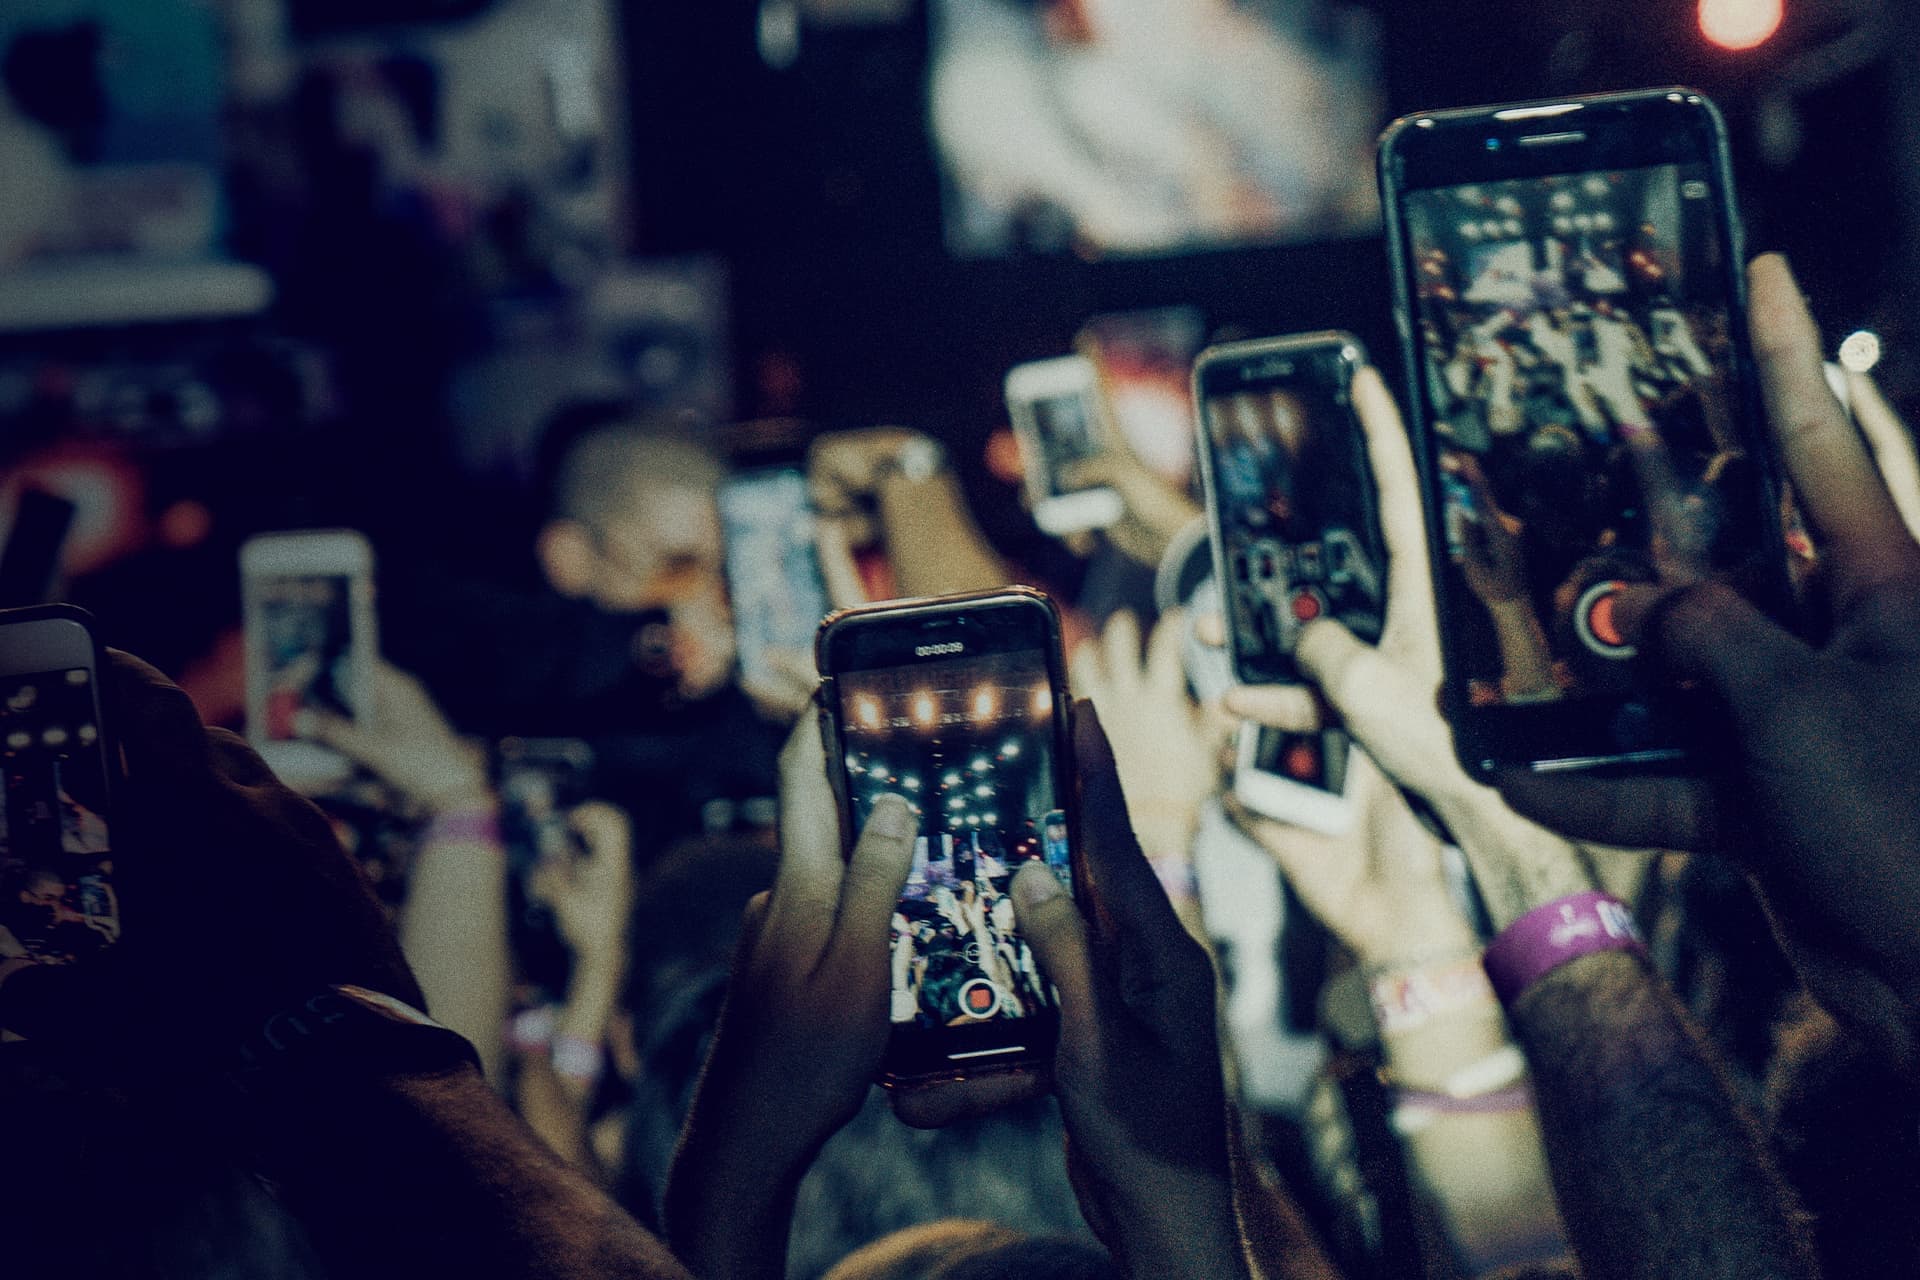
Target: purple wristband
point(1550, 935)
point(464, 826)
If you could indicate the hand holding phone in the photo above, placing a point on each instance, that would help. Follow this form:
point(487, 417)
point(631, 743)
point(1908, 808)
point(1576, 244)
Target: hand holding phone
point(1138, 1068)
point(309, 625)
point(58, 900)
point(1060, 426)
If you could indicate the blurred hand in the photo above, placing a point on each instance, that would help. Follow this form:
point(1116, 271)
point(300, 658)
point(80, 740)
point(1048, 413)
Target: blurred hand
point(844, 471)
point(1138, 1069)
point(702, 641)
point(406, 743)
point(1165, 749)
point(1155, 513)
point(1380, 887)
point(1813, 795)
point(591, 896)
point(784, 689)
point(237, 900)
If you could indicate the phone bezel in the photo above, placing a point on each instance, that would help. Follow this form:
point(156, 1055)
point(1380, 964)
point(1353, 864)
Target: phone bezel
point(1079, 510)
point(881, 636)
point(1213, 363)
point(317, 553)
point(1618, 131)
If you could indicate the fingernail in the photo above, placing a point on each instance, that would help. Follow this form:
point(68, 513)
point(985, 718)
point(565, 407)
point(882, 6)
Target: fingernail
point(891, 817)
point(1035, 884)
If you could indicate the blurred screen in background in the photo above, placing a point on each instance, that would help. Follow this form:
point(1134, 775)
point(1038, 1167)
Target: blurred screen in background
point(1137, 127)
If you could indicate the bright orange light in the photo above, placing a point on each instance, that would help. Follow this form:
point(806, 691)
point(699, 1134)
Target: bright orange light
point(923, 708)
point(867, 711)
point(983, 703)
point(1042, 701)
point(1737, 25)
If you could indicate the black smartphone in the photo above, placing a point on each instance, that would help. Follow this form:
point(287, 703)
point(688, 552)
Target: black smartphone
point(778, 591)
point(1571, 294)
point(1290, 495)
point(57, 900)
point(540, 781)
point(960, 706)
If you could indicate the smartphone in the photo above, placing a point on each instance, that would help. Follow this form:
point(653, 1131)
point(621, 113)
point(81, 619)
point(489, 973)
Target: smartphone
point(1296, 778)
point(57, 900)
point(1144, 359)
point(960, 706)
point(773, 568)
point(307, 600)
point(539, 781)
point(1290, 497)
point(1055, 407)
point(1571, 294)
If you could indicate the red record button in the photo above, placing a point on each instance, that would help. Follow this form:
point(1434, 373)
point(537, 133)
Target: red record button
point(1306, 606)
point(1595, 621)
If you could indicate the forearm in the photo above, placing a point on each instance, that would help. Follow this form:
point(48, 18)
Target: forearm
point(932, 540)
point(406, 1176)
point(1660, 1171)
point(453, 929)
point(1478, 1156)
point(727, 1212)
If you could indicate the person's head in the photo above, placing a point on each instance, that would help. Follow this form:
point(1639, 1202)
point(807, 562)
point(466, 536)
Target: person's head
point(631, 522)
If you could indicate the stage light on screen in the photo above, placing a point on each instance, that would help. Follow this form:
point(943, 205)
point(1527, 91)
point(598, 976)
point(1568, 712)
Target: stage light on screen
point(910, 782)
point(981, 764)
point(984, 703)
point(923, 709)
point(1042, 701)
point(1011, 751)
point(983, 791)
point(1739, 25)
point(867, 712)
point(1861, 351)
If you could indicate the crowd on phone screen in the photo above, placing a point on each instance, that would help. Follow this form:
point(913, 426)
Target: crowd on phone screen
point(1603, 1129)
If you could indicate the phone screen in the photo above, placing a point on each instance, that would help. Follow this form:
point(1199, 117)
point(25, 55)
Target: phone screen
point(1317, 760)
point(305, 648)
point(969, 742)
point(1067, 436)
point(773, 567)
point(1578, 358)
point(541, 781)
point(1293, 494)
point(57, 903)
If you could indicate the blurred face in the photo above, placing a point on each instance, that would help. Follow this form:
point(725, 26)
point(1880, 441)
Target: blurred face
point(663, 551)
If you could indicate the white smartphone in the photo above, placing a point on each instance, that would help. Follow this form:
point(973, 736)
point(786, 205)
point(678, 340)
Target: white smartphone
point(1297, 778)
point(1055, 406)
point(308, 602)
point(57, 902)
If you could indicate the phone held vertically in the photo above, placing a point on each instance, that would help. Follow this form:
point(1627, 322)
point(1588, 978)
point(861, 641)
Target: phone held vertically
point(1291, 503)
point(778, 590)
point(959, 706)
point(308, 608)
point(1570, 288)
point(57, 900)
point(540, 781)
point(1057, 420)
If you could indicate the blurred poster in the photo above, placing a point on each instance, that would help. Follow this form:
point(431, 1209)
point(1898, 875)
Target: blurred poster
point(109, 128)
point(1152, 126)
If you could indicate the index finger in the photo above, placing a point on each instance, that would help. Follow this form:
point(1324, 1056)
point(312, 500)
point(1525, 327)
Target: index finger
point(1893, 447)
point(1841, 491)
point(1402, 513)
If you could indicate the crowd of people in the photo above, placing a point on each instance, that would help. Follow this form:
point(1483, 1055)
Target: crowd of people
point(580, 1006)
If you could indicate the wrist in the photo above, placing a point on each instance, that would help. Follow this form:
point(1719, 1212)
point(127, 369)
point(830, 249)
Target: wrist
point(1555, 935)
